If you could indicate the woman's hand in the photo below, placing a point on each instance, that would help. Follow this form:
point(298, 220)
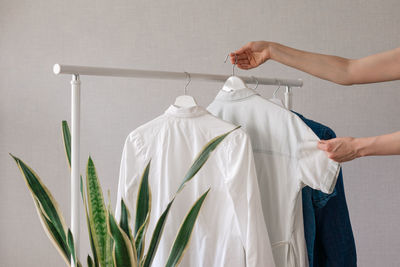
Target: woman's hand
point(348, 148)
point(251, 55)
point(340, 149)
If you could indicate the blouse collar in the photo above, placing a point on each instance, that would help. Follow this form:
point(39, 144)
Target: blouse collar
point(178, 111)
point(236, 94)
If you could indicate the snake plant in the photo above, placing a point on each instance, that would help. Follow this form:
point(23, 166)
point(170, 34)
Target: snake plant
point(113, 244)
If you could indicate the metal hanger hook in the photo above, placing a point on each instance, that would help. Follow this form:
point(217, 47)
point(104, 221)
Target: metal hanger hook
point(277, 89)
point(190, 79)
point(254, 78)
point(234, 65)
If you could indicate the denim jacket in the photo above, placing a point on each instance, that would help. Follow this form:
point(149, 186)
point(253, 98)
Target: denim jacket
point(327, 227)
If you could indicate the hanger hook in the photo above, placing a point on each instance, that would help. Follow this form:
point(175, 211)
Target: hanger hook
point(277, 89)
point(226, 58)
point(254, 78)
point(234, 65)
point(190, 79)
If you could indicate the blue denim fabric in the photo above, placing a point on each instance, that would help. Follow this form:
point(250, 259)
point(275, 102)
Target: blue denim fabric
point(327, 227)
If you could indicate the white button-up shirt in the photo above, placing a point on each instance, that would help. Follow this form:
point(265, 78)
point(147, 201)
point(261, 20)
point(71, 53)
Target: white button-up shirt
point(287, 159)
point(230, 229)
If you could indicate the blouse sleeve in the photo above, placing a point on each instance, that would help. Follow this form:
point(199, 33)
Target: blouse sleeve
point(314, 168)
point(133, 163)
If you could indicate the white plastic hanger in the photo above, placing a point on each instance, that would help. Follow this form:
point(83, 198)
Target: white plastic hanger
point(275, 99)
point(234, 82)
point(185, 101)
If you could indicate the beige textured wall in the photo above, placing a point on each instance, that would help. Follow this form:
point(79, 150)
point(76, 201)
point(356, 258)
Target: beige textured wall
point(180, 35)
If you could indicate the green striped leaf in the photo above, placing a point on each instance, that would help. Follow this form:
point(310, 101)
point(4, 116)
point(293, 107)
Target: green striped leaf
point(67, 140)
point(124, 220)
point(71, 246)
point(47, 208)
point(88, 224)
point(52, 234)
point(143, 209)
point(97, 216)
point(155, 239)
point(123, 254)
point(89, 261)
point(183, 237)
point(143, 203)
point(124, 224)
point(202, 157)
point(110, 240)
point(139, 240)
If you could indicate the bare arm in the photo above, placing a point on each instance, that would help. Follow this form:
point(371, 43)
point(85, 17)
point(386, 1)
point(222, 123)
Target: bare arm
point(375, 68)
point(348, 148)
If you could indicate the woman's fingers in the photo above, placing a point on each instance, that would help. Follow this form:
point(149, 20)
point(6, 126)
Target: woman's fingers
point(245, 66)
point(339, 149)
point(244, 57)
point(243, 61)
point(237, 57)
point(243, 48)
point(323, 145)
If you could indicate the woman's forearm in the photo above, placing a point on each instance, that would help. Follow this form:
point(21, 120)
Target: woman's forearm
point(388, 144)
point(379, 67)
point(331, 68)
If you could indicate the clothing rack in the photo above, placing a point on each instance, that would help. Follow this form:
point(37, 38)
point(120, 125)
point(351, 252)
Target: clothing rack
point(77, 71)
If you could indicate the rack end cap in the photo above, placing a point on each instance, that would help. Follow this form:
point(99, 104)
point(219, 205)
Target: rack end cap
point(56, 69)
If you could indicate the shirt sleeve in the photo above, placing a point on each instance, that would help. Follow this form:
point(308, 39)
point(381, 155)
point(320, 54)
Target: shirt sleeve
point(242, 185)
point(315, 169)
point(133, 163)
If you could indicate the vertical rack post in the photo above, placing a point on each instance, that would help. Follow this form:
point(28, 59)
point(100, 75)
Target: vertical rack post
point(288, 98)
point(75, 176)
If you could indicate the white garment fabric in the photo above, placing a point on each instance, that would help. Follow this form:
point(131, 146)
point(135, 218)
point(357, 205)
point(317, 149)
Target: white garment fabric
point(230, 229)
point(287, 159)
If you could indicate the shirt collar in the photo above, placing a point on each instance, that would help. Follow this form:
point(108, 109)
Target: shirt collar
point(178, 111)
point(235, 94)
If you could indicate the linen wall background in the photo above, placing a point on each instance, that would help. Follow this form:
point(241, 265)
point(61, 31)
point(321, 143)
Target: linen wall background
point(193, 36)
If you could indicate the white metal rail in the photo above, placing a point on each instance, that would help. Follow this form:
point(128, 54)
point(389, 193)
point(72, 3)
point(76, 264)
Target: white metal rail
point(77, 71)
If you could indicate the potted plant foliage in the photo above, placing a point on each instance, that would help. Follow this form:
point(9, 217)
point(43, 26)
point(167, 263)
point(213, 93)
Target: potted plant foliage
point(113, 244)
